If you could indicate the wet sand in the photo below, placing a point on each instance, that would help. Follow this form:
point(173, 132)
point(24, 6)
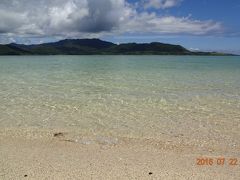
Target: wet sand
point(54, 154)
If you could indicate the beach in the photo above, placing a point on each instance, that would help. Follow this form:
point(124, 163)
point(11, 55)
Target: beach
point(119, 90)
point(34, 154)
point(119, 117)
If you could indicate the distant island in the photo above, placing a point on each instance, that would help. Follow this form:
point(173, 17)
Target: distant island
point(98, 47)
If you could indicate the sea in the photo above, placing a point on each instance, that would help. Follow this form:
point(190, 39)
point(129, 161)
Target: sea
point(195, 97)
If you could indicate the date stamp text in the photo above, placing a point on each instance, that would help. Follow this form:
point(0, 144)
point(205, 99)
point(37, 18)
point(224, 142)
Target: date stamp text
point(219, 161)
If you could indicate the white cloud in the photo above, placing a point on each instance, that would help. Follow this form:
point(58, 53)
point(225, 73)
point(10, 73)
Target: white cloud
point(161, 4)
point(91, 18)
point(10, 21)
point(194, 49)
point(171, 25)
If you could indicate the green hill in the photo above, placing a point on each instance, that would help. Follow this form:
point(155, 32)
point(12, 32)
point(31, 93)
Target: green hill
point(12, 50)
point(97, 46)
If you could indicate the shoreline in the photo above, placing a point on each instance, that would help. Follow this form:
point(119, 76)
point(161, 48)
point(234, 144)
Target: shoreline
point(54, 154)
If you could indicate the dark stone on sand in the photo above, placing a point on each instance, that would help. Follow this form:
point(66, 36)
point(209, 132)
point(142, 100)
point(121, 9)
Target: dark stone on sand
point(150, 173)
point(58, 134)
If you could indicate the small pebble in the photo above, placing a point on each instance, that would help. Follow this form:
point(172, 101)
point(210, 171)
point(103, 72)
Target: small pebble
point(150, 173)
point(58, 134)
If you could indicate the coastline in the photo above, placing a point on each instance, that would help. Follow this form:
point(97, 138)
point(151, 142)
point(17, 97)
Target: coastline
point(100, 47)
point(119, 118)
point(53, 154)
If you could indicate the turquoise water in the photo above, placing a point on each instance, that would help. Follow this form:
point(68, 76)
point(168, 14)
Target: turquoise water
point(140, 96)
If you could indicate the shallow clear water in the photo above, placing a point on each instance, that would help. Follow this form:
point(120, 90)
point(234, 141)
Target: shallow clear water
point(142, 96)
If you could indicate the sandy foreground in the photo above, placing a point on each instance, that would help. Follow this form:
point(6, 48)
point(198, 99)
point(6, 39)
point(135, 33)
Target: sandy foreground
point(51, 154)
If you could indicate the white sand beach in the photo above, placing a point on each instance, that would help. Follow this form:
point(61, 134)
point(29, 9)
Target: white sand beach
point(40, 154)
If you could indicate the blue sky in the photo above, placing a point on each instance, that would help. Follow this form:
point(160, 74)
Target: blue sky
point(209, 25)
point(225, 11)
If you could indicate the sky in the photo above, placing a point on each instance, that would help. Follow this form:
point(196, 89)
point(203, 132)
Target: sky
point(206, 25)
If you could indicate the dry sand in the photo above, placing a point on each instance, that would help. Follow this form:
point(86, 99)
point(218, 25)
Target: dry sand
point(38, 154)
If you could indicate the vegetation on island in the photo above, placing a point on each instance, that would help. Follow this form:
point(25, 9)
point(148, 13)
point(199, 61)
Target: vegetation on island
point(97, 47)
